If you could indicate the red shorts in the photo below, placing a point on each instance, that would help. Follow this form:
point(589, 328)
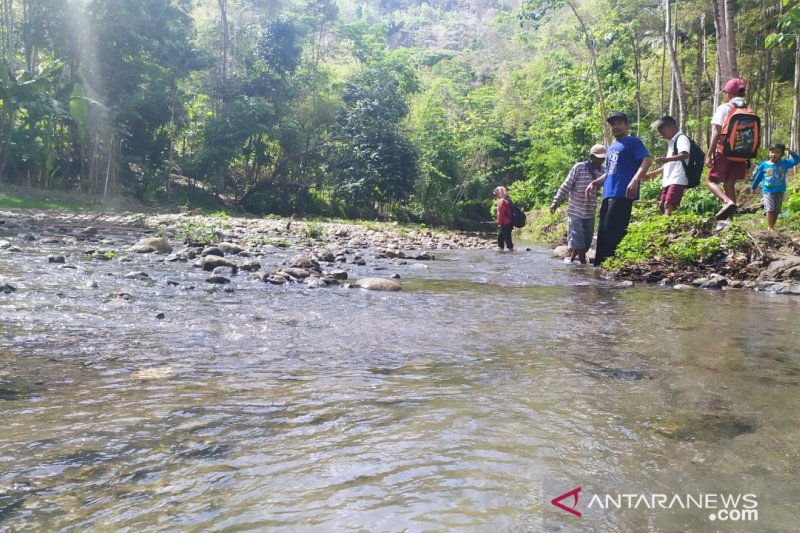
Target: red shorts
point(672, 195)
point(723, 169)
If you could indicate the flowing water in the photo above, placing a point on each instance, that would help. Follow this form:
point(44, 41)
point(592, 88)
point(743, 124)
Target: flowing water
point(488, 386)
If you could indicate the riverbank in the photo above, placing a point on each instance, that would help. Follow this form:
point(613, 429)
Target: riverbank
point(692, 250)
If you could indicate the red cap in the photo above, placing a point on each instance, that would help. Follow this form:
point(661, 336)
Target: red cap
point(734, 86)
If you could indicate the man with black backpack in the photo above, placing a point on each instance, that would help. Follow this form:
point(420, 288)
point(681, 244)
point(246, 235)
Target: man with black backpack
point(682, 168)
point(735, 137)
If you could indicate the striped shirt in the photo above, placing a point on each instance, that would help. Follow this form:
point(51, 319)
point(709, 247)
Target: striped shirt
point(575, 187)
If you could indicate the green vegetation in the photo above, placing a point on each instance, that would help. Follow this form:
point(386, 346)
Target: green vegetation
point(200, 231)
point(405, 110)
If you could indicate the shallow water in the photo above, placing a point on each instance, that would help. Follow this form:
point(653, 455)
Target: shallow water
point(488, 386)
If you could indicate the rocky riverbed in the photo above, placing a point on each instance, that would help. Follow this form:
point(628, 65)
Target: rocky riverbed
point(273, 251)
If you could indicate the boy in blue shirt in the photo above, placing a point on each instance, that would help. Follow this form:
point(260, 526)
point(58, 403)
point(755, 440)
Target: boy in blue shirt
point(772, 176)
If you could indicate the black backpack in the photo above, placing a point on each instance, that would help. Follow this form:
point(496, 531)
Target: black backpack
point(694, 165)
point(518, 216)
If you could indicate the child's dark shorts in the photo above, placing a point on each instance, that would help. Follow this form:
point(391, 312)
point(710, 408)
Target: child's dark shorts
point(672, 195)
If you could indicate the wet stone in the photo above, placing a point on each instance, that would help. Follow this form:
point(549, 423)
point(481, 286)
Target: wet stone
point(212, 250)
point(217, 279)
point(709, 427)
point(56, 259)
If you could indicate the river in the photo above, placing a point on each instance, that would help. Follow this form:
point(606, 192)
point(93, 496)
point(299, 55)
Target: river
point(488, 386)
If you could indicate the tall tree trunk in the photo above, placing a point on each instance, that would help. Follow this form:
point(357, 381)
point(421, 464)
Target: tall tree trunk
point(698, 95)
point(726, 39)
point(593, 61)
point(223, 15)
point(796, 98)
point(677, 77)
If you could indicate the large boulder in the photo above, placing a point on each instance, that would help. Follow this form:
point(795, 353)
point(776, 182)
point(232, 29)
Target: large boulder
point(230, 248)
point(152, 244)
point(784, 267)
point(377, 284)
point(303, 261)
point(210, 262)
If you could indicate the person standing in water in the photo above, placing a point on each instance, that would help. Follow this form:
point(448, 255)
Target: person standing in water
point(627, 161)
point(504, 219)
point(581, 207)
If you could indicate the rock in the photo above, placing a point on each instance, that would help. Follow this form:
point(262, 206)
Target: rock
point(377, 284)
point(325, 255)
point(172, 283)
point(342, 232)
point(137, 275)
point(212, 250)
point(5, 288)
point(210, 262)
point(394, 254)
point(303, 261)
point(251, 266)
point(425, 256)
point(358, 260)
point(340, 259)
point(56, 259)
point(315, 283)
point(222, 271)
point(714, 281)
point(152, 244)
point(161, 316)
point(775, 287)
point(784, 267)
point(230, 248)
point(625, 284)
point(297, 273)
point(89, 231)
point(4, 244)
point(560, 252)
point(419, 266)
point(736, 284)
point(340, 275)
point(274, 280)
point(395, 276)
point(217, 279)
point(682, 287)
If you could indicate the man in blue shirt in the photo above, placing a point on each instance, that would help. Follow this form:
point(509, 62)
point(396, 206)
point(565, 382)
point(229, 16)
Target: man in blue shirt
point(627, 161)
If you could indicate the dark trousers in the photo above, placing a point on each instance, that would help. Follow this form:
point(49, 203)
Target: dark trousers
point(504, 238)
point(615, 215)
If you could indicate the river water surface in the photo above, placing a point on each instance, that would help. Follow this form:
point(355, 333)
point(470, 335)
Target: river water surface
point(488, 386)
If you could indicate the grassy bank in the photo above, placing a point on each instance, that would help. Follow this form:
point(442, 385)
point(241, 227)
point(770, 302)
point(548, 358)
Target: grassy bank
point(690, 243)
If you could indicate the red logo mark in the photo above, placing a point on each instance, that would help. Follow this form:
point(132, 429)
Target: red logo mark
point(574, 493)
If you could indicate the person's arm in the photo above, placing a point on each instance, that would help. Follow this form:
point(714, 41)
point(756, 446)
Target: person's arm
point(683, 156)
point(633, 186)
point(595, 184)
point(758, 177)
point(653, 173)
point(793, 159)
point(564, 190)
point(712, 145)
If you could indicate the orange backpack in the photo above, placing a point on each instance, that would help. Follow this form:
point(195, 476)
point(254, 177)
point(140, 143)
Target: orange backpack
point(740, 135)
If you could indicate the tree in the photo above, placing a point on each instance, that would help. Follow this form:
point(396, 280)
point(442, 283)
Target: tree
point(375, 164)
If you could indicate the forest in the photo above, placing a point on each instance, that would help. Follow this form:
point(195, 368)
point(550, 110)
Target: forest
point(407, 110)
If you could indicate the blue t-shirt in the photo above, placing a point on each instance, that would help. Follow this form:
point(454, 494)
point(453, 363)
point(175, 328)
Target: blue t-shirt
point(623, 158)
point(774, 174)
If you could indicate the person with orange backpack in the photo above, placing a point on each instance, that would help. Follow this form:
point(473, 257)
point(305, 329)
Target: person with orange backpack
point(736, 134)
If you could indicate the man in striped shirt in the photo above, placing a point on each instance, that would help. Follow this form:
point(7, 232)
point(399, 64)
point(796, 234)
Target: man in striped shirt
point(582, 206)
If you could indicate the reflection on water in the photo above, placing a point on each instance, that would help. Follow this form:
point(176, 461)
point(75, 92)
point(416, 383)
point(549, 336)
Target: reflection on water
point(462, 402)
